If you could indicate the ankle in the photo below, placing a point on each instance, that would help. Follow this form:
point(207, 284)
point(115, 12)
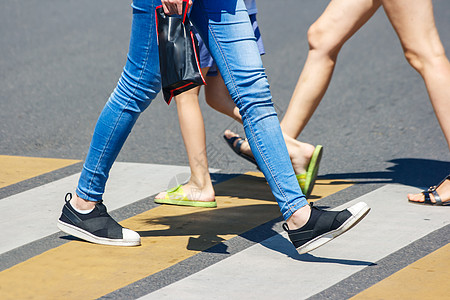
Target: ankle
point(299, 218)
point(82, 204)
point(200, 188)
point(300, 155)
point(200, 182)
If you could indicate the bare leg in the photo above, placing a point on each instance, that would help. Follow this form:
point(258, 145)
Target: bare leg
point(414, 23)
point(192, 127)
point(340, 20)
point(218, 97)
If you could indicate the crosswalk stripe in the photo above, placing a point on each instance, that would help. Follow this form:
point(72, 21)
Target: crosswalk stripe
point(32, 214)
point(274, 270)
point(14, 169)
point(424, 279)
point(169, 235)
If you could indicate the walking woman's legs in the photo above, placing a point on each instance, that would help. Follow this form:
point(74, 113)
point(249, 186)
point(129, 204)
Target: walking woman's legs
point(414, 23)
point(340, 20)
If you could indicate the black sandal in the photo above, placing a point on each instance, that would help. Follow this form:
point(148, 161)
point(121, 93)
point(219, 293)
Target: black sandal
point(237, 148)
point(437, 198)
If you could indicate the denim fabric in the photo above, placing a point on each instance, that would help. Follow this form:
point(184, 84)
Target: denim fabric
point(226, 30)
point(137, 87)
point(206, 60)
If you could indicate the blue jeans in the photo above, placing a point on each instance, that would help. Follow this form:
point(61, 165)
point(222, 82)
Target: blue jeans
point(226, 30)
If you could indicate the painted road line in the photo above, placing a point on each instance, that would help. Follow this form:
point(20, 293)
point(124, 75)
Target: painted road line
point(14, 169)
point(170, 234)
point(32, 214)
point(274, 270)
point(423, 279)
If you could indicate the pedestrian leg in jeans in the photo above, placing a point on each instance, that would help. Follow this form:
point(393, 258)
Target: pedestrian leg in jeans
point(225, 28)
point(84, 215)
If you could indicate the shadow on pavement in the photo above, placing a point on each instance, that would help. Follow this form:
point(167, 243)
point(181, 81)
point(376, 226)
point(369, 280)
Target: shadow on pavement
point(407, 171)
point(282, 245)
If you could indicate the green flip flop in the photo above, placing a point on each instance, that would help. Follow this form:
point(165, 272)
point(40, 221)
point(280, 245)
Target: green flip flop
point(308, 179)
point(176, 196)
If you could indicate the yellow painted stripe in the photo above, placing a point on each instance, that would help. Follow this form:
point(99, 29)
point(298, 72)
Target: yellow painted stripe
point(170, 234)
point(14, 169)
point(427, 278)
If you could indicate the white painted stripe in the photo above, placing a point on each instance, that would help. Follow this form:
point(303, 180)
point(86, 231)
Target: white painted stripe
point(32, 214)
point(274, 270)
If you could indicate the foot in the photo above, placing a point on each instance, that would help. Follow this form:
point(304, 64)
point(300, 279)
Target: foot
point(443, 190)
point(299, 153)
point(97, 226)
point(194, 193)
point(245, 147)
point(323, 226)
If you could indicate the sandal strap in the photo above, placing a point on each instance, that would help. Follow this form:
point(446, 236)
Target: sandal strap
point(232, 139)
point(236, 148)
point(239, 144)
point(436, 186)
point(437, 198)
point(427, 199)
point(432, 190)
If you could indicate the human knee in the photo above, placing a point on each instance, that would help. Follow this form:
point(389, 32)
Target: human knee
point(135, 93)
point(420, 60)
point(414, 59)
point(322, 40)
point(256, 104)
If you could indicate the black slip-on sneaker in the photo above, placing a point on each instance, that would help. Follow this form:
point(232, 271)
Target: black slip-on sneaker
point(96, 227)
point(323, 226)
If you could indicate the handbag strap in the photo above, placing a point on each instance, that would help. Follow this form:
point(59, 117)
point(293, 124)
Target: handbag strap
point(185, 10)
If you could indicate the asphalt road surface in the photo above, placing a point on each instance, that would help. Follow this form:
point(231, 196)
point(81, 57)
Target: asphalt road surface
point(61, 60)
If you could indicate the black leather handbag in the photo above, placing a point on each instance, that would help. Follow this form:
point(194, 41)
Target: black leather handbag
point(178, 53)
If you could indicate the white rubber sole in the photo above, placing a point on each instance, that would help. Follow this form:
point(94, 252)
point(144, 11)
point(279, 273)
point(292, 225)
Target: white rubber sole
point(131, 238)
point(358, 211)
